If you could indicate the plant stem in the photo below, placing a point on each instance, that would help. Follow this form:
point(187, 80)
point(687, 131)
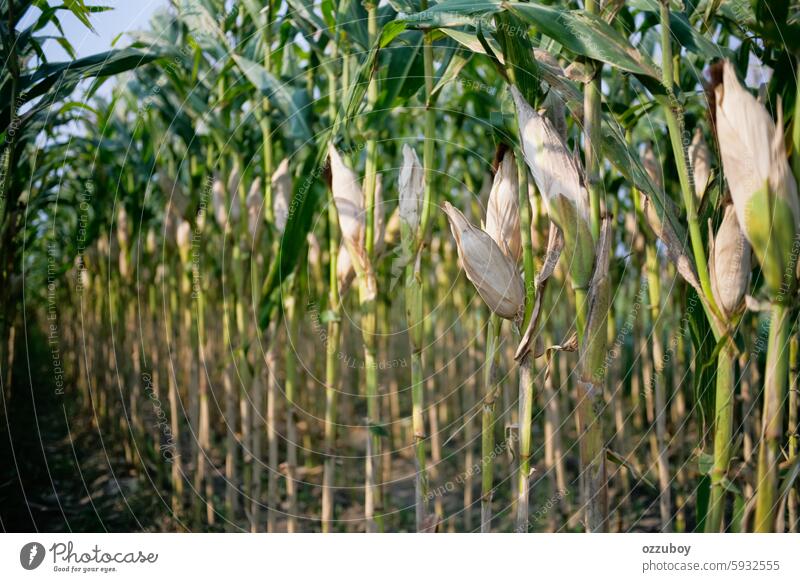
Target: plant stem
point(525, 421)
point(367, 299)
point(332, 346)
point(723, 429)
point(487, 421)
point(794, 429)
point(429, 130)
point(591, 119)
point(526, 365)
point(413, 298)
point(775, 380)
point(674, 115)
point(290, 388)
point(658, 387)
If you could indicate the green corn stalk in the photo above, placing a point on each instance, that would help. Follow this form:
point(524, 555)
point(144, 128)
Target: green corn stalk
point(775, 381)
point(290, 388)
point(794, 429)
point(332, 346)
point(593, 342)
point(526, 371)
point(491, 390)
point(367, 299)
point(723, 433)
point(414, 315)
point(679, 150)
point(658, 386)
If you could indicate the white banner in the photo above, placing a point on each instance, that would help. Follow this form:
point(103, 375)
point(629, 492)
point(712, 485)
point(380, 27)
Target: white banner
point(390, 557)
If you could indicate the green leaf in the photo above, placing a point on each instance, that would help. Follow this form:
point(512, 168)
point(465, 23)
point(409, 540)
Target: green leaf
point(399, 80)
point(99, 65)
point(450, 74)
point(455, 13)
point(81, 12)
point(586, 35)
point(68, 48)
point(306, 195)
point(703, 497)
point(390, 32)
point(512, 34)
point(203, 27)
point(378, 430)
point(705, 463)
point(278, 93)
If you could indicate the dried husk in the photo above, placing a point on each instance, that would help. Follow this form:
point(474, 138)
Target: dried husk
point(492, 273)
point(255, 207)
point(700, 158)
point(558, 178)
point(123, 227)
point(502, 212)
point(729, 266)
point(219, 203)
point(762, 187)
point(411, 185)
point(349, 200)
point(183, 238)
point(281, 194)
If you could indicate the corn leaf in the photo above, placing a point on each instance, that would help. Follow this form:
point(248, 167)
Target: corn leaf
point(586, 35)
point(278, 93)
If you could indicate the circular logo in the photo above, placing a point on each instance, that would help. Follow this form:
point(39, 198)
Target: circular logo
point(31, 555)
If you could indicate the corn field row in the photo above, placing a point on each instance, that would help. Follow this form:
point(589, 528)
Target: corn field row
point(457, 266)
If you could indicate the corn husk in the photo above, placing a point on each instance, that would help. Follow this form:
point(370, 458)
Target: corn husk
point(558, 178)
point(233, 180)
point(183, 238)
point(345, 272)
point(379, 217)
point(255, 207)
point(345, 269)
point(700, 158)
point(729, 266)
point(349, 200)
point(123, 227)
point(151, 242)
point(411, 187)
point(218, 203)
point(281, 194)
point(502, 211)
point(763, 189)
point(494, 275)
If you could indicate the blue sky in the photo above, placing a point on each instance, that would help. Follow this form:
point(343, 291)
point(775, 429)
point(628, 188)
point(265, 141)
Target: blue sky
point(127, 15)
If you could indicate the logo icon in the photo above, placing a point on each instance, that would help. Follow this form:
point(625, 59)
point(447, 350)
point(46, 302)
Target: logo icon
point(31, 555)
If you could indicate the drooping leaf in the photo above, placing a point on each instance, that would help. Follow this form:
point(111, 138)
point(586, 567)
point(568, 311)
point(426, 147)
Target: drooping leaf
point(279, 94)
point(586, 35)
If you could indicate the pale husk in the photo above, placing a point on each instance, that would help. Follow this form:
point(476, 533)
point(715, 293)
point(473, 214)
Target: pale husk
point(559, 180)
point(281, 194)
point(751, 147)
point(502, 212)
point(183, 238)
point(762, 187)
point(123, 227)
point(730, 264)
point(700, 158)
point(411, 185)
point(349, 199)
point(494, 275)
point(255, 207)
